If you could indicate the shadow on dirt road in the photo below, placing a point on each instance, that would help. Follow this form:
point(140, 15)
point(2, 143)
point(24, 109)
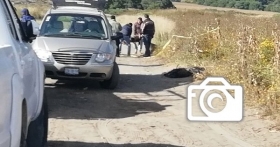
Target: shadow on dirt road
point(86, 100)
point(82, 144)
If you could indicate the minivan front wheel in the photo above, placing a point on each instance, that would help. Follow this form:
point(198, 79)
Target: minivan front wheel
point(112, 83)
point(38, 129)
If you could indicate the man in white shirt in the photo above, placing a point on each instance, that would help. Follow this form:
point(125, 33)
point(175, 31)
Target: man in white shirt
point(116, 27)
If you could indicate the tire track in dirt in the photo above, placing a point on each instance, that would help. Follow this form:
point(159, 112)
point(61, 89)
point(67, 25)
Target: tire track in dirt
point(144, 133)
point(168, 136)
point(137, 135)
point(228, 135)
point(105, 134)
point(127, 129)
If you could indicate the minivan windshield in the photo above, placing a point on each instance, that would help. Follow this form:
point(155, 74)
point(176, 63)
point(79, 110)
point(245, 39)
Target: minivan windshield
point(74, 26)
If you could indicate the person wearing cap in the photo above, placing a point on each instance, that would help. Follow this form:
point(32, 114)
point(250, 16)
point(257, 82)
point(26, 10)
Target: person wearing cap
point(116, 27)
point(148, 32)
point(137, 32)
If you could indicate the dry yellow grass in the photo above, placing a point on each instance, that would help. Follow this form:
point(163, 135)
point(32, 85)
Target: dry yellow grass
point(36, 10)
point(190, 6)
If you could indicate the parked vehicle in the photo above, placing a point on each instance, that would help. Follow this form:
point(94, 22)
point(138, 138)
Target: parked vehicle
point(23, 107)
point(75, 41)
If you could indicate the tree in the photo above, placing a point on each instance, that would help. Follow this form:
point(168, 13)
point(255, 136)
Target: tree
point(157, 4)
point(139, 4)
point(267, 5)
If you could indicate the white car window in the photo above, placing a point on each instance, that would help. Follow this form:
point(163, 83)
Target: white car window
point(9, 21)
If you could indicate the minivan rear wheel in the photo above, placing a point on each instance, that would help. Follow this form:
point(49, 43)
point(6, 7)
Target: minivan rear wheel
point(112, 83)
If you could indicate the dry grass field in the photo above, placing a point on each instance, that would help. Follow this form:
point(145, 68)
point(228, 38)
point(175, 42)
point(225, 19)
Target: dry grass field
point(189, 6)
point(241, 48)
point(36, 10)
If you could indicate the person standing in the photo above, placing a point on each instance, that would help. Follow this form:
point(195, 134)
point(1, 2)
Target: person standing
point(116, 27)
point(26, 19)
point(148, 32)
point(137, 32)
point(25, 15)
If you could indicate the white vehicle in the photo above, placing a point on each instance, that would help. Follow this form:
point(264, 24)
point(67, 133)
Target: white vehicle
point(23, 108)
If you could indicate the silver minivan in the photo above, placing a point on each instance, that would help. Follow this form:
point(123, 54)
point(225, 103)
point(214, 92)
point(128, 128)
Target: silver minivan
point(76, 42)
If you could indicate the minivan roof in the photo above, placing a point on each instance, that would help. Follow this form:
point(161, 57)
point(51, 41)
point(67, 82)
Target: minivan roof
point(75, 10)
point(99, 4)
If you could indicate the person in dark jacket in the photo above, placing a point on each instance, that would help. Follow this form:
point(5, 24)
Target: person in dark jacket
point(26, 21)
point(127, 31)
point(148, 32)
point(25, 15)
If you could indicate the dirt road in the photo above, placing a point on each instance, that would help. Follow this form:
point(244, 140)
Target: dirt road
point(147, 110)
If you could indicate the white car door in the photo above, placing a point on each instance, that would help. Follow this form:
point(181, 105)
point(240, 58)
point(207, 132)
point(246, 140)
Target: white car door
point(29, 67)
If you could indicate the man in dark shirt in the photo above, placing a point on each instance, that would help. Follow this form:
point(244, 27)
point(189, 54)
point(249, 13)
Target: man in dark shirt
point(148, 32)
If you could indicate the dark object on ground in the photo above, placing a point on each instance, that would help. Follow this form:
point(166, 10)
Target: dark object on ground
point(196, 70)
point(135, 39)
point(183, 72)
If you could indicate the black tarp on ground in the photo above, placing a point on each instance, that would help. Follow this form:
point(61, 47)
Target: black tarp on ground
point(183, 72)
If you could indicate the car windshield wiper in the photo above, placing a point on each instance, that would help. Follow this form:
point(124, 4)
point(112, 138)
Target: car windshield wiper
point(93, 36)
point(73, 34)
point(53, 34)
point(80, 35)
point(63, 34)
point(84, 36)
